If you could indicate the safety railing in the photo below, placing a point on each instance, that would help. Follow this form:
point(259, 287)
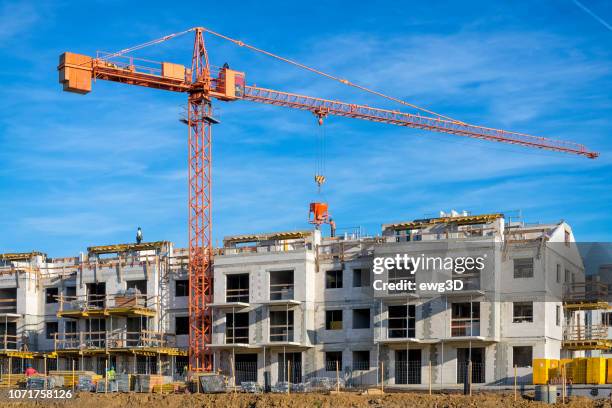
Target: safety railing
point(463, 233)
point(237, 295)
point(9, 341)
point(264, 248)
point(281, 291)
point(8, 305)
point(281, 333)
point(400, 332)
point(102, 302)
point(465, 327)
point(112, 340)
point(588, 332)
point(346, 249)
point(585, 291)
point(237, 334)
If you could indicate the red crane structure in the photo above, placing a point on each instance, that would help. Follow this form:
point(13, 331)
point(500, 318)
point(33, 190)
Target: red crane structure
point(202, 84)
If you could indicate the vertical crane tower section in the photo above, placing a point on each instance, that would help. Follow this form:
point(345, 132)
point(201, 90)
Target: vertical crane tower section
point(77, 71)
point(200, 121)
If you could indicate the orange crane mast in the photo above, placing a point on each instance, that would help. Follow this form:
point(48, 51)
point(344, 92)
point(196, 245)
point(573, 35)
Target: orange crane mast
point(202, 85)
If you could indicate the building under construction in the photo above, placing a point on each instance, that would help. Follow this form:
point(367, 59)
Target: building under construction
point(296, 305)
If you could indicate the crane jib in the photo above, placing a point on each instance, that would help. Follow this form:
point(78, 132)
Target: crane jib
point(337, 108)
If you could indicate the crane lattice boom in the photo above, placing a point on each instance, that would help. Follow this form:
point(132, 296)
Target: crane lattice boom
point(325, 107)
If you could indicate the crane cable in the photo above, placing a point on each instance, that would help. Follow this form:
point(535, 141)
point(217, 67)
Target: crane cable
point(343, 81)
point(147, 44)
point(320, 158)
point(278, 57)
point(318, 72)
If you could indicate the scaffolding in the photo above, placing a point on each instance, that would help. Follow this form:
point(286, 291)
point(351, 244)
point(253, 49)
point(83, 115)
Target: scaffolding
point(579, 297)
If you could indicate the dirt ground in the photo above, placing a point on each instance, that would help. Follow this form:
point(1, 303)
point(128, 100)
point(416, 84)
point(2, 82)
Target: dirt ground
point(87, 400)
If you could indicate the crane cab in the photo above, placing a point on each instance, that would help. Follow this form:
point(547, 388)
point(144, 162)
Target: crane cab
point(230, 84)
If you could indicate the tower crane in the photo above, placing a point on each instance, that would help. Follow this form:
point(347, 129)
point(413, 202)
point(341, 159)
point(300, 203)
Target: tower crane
point(202, 83)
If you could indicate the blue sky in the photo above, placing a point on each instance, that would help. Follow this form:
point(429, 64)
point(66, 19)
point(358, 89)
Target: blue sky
point(87, 170)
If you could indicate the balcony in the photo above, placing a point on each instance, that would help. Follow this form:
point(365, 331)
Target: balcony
point(96, 305)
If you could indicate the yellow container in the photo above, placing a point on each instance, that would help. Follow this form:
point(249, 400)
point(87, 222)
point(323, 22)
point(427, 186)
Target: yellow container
point(554, 371)
point(579, 370)
point(596, 370)
point(609, 371)
point(540, 370)
point(566, 364)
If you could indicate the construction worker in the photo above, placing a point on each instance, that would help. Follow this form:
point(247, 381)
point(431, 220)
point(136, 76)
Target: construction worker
point(30, 371)
point(139, 236)
point(110, 373)
point(24, 341)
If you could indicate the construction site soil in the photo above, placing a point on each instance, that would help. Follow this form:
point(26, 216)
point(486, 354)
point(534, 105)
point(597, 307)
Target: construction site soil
point(489, 400)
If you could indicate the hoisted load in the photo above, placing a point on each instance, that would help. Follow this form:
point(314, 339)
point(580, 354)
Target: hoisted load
point(318, 214)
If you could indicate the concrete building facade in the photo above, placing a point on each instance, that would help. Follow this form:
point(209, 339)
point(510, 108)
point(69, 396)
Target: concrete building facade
point(297, 305)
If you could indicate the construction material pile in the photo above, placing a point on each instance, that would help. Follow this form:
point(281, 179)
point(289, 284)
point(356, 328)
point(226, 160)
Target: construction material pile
point(87, 382)
point(107, 386)
point(168, 387)
point(251, 387)
point(325, 383)
point(12, 381)
point(39, 382)
point(125, 382)
point(146, 382)
point(212, 383)
point(71, 378)
point(312, 385)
